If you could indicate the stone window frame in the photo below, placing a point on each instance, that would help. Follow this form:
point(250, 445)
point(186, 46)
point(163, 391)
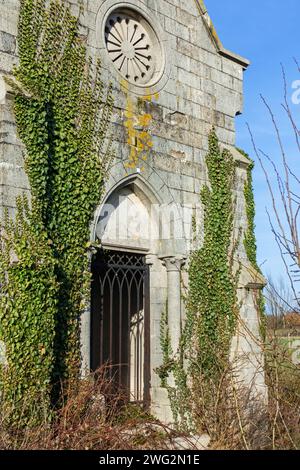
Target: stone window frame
point(139, 9)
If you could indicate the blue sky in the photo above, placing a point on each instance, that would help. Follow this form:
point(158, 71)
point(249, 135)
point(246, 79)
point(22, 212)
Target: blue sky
point(267, 33)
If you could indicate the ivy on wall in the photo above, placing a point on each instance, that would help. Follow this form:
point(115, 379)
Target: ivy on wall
point(62, 113)
point(174, 377)
point(249, 236)
point(28, 309)
point(211, 303)
point(250, 239)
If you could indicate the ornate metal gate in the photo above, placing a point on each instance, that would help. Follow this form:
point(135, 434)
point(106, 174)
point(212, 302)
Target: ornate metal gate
point(120, 321)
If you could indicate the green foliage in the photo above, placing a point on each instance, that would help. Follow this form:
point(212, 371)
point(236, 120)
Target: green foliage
point(173, 377)
point(62, 113)
point(28, 308)
point(211, 301)
point(250, 240)
point(211, 304)
point(165, 344)
point(249, 237)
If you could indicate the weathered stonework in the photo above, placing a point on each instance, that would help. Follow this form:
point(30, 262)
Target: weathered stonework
point(160, 139)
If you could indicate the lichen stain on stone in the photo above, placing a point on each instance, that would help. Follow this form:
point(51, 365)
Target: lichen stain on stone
point(137, 123)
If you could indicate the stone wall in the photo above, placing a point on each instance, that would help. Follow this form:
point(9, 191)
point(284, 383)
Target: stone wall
point(202, 86)
point(203, 89)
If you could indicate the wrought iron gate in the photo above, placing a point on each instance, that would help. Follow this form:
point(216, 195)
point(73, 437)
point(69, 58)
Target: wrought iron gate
point(120, 329)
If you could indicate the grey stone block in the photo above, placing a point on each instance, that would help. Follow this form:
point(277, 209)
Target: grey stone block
point(7, 42)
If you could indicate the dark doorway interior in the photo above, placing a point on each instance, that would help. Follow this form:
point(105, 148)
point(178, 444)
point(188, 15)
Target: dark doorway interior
point(120, 329)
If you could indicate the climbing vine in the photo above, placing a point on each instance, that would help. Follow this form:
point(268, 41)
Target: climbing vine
point(211, 302)
point(174, 377)
point(249, 236)
point(62, 113)
point(28, 308)
point(250, 240)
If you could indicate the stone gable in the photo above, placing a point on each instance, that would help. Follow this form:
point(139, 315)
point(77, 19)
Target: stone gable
point(160, 135)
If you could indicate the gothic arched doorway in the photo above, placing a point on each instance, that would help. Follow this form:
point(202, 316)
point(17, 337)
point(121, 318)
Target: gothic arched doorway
point(120, 312)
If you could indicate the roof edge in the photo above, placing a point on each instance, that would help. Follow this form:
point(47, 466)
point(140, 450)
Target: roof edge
point(217, 41)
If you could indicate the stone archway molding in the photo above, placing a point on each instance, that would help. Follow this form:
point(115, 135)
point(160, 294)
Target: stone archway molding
point(136, 180)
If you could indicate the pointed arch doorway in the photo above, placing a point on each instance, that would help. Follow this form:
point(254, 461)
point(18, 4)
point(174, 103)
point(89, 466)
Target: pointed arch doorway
point(120, 304)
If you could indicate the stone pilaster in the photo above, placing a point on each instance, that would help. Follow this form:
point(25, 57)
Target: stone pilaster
point(174, 265)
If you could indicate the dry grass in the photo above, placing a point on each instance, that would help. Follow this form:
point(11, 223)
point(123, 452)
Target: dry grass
point(91, 419)
point(229, 414)
point(94, 419)
point(283, 379)
point(235, 419)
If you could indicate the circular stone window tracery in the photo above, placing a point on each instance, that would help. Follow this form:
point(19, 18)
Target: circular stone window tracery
point(134, 47)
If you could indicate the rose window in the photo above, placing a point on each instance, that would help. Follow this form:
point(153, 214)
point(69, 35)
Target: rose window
point(133, 47)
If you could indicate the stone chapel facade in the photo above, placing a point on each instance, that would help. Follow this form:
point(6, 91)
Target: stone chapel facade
point(172, 80)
